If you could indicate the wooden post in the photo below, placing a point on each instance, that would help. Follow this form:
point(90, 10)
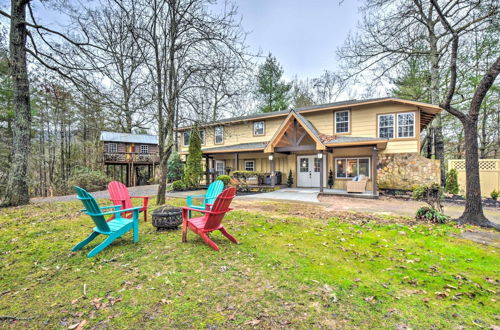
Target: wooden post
point(207, 168)
point(236, 161)
point(374, 166)
point(271, 158)
point(321, 169)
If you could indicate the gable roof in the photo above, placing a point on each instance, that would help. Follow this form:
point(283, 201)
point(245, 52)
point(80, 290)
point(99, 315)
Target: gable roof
point(306, 124)
point(128, 137)
point(430, 109)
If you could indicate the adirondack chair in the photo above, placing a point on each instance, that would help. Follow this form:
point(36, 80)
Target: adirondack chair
point(120, 196)
point(214, 189)
point(212, 219)
point(112, 229)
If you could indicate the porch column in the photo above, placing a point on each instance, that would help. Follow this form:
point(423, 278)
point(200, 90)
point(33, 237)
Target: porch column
point(271, 159)
point(321, 169)
point(207, 169)
point(236, 160)
point(374, 171)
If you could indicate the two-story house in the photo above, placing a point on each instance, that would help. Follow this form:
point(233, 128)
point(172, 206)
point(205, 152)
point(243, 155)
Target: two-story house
point(130, 158)
point(379, 138)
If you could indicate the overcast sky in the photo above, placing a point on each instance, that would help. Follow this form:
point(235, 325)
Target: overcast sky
point(302, 34)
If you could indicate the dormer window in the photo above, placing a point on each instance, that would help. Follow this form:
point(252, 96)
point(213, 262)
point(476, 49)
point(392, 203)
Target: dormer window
point(259, 128)
point(342, 122)
point(219, 134)
point(112, 147)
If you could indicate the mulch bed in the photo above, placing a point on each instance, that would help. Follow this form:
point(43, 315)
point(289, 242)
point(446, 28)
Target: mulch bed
point(455, 199)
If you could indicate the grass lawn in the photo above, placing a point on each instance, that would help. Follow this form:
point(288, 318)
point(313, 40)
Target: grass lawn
point(297, 266)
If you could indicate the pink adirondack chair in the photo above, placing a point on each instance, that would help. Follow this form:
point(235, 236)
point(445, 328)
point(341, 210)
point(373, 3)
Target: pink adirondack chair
point(211, 220)
point(119, 195)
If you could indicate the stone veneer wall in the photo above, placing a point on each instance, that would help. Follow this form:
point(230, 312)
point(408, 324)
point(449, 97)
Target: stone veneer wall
point(406, 170)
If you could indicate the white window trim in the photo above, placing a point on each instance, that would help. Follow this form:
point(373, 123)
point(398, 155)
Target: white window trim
point(348, 122)
point(203, 136)
point(394, 123)
point(263, 127)
point(223, 165)
point(250, 161)
point(414, 125)
point(215, 135)
point(346, 158)
point(184, 140)
point(146, 148)
point(109, 147)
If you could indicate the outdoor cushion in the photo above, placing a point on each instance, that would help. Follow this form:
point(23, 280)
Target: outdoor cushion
point(355, 179)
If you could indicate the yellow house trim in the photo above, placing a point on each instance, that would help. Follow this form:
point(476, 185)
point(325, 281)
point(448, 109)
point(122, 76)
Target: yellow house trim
point(285, 125)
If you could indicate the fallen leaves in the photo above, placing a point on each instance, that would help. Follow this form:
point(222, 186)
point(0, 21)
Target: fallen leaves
point(78, 326)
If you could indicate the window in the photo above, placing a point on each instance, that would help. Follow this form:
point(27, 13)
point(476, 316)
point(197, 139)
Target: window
point(144, 149)
point(259, 128)
point(350, 167)
point(317, 165)
point(342, 121)
point(406, 125)
point(185, 138)
point(249, 165)
point(386, 126)
point(220, 167)
point(304, 165)
point(112, 147)
point(202, 136)
point(219, 135)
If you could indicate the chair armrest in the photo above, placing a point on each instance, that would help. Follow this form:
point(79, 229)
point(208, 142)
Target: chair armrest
point(193, 209)
point(116, 211)
point(145, 197)
point(116, 207)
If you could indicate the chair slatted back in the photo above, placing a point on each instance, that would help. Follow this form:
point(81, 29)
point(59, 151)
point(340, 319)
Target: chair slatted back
point(220, 207)
point(118, 191)
point(214, 189)
point(91, 206)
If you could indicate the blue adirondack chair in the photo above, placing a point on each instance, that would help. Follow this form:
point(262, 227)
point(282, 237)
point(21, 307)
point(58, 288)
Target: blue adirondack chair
point(214, 189)
point(113, 229)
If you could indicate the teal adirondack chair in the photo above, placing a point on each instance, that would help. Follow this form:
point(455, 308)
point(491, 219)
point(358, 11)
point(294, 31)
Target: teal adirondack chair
point(214, 189)
point(113, 229)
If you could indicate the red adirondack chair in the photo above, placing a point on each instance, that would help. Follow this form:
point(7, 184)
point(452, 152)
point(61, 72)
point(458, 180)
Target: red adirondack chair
point(120, 196)
point(211, 220)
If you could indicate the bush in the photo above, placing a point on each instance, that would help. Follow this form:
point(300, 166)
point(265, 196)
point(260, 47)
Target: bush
point(289, 181)
point(452, 186)
point(224, 178)
point(427, 213)
point(494, 194)
point(175, 167)
point(89, 179)
point(178, 185)
point(331, 179)
point(432, 194)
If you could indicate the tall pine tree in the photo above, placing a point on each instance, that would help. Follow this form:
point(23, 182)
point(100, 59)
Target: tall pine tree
point(272, 92)
point(194, 170)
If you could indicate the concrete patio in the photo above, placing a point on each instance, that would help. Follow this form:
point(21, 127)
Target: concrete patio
point(309, 195)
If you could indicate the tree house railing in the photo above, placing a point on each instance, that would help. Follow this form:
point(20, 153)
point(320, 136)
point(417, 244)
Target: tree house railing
point(131, 157)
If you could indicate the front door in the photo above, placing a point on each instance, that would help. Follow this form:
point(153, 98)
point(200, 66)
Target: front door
point(309, 171)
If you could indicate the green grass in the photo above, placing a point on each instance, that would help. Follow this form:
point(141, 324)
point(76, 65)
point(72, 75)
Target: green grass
point(297, 266)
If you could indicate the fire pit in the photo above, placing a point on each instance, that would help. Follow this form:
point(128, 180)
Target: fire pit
point(167, 217)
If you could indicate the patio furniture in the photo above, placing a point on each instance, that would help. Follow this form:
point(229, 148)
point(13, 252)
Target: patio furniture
point(120, 196)
point(214, 189)
point(113, 229)
point(167, 217)
point(211, 220)
point(358, 186)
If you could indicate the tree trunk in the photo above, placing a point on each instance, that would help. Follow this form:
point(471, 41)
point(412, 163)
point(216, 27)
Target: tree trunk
point(473, 213)
point(16, 192)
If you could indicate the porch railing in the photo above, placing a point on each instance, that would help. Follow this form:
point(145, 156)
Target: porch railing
point(131, 157)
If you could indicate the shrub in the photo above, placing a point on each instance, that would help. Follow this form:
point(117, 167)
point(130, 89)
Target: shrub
point(427, 213)
point(452, 186)
point(432, 194)
point(224, 178)
point(178, 185)
point(331, 179)
point(494, 194)
point(174, 167)
point(289, 181)
point(89, 179)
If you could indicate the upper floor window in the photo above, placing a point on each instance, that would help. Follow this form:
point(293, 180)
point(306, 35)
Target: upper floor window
point(259, 128)
point(144, 149)
point(112, 147)
point(342, 122)
point(406, 125)
point(249, 165)
point(386, 126)
point(219, 134)
point(185, 138)
point(202, 136)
